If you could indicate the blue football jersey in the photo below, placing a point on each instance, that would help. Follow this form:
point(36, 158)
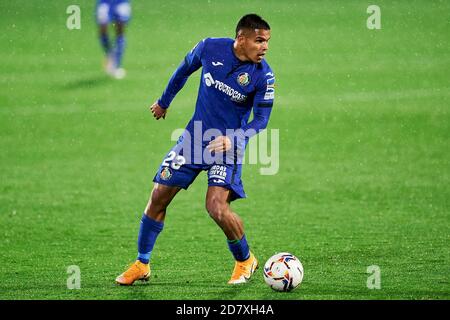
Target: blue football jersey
point(228, 92)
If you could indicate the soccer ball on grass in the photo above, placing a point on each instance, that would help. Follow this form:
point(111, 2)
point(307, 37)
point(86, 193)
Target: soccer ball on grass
point(283, 272)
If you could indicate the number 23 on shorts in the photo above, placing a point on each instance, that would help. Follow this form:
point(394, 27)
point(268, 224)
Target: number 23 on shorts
point(173, 160)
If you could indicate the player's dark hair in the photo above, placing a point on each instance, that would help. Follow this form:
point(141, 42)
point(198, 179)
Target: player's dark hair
point(251, 21)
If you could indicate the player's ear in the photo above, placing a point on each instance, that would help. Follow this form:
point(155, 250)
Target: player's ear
point(240, 37)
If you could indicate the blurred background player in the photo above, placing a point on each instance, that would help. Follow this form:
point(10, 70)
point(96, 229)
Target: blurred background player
point(116, 12)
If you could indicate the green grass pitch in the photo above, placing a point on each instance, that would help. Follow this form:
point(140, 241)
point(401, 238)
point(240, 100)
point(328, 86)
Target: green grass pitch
point(363, 117)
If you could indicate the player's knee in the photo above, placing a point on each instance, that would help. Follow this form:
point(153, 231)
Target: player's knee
point(216, 209)
point(103, 29)
point(158, 201)
point(120, 28)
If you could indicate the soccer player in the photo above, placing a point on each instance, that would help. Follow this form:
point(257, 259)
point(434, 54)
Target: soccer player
point(235, 80)
point(118, 12)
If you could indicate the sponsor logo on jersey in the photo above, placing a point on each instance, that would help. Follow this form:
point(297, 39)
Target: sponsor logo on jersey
point(166, 173)
point(218, 63)
point(234, 95)
point(209, 81)
point(243, 79)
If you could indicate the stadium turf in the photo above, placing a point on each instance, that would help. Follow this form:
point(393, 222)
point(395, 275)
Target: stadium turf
point(363, 118)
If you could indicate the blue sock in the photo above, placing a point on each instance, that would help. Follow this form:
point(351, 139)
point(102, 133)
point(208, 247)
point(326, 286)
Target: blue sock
point(148, 233)
point(239, 249)
point(104, 41)
point(120, 46)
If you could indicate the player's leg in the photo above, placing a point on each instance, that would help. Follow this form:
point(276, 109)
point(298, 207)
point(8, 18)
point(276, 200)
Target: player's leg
point(119, 50)
point(122, 13)
point(218, 206)
point(172, 176)
point(102, 13)
point(104, 38)
point(152, 223)
point(160, 199)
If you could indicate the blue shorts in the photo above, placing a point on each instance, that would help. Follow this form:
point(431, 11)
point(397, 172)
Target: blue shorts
point(107, 11)
point(173, 172)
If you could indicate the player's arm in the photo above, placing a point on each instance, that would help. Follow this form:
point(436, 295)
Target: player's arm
point(262, 108)
point(191, 63)
point(261, 115)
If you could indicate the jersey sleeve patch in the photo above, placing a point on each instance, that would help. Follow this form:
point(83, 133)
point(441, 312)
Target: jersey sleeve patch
point(270, 89)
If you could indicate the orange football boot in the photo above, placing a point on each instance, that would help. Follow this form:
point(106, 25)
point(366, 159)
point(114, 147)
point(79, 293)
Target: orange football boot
point(137, 271)
point(243, 270)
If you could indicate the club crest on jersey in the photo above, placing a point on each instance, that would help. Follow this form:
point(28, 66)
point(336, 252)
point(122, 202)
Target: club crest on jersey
point(243, 79)
point(166, 174)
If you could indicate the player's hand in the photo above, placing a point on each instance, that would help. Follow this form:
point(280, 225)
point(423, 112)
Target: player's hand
point(157, 111)
point(219, 144)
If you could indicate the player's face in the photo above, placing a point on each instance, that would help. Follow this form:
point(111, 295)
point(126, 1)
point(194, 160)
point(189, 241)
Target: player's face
point(255, 44)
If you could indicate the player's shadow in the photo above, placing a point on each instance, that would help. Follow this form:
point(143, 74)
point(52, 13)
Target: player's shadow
point(87, 83)
point(154, 290)
point(230, 292)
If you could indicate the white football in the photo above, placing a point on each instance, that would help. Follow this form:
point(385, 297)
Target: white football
point(283, 272)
